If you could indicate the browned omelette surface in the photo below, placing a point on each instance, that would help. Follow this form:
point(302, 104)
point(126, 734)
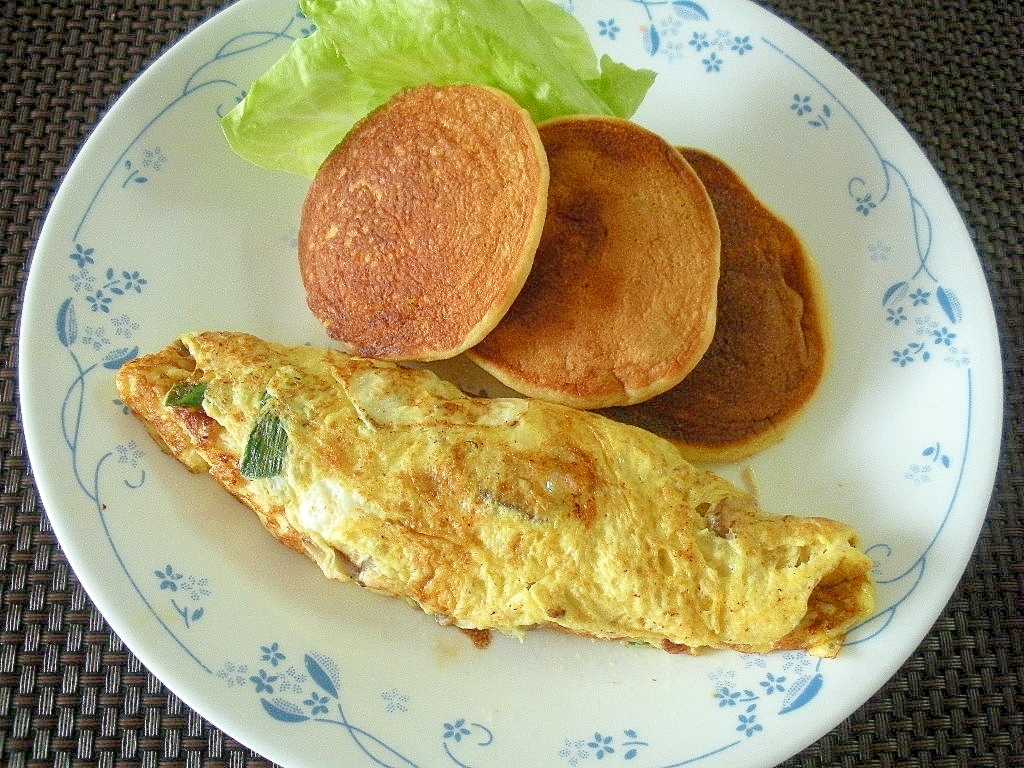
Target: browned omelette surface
point(771, 345)
point(421, 226)
point(620, 304)
point(502, 513)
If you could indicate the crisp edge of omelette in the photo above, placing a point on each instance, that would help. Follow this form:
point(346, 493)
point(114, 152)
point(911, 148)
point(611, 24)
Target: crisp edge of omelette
point(842, 598)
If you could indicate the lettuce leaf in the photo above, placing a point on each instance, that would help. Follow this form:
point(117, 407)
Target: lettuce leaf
point(363, 52)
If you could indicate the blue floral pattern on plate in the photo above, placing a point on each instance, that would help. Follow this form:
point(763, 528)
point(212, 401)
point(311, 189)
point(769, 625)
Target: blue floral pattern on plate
point(100, 314)
point(313, 694)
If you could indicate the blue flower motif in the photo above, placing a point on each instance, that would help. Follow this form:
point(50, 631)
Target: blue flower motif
point(602, 744)
point(902, 356)
point(264, 682)
point(82, 256)
point(98, 302)
point(773, 684)
point(896, 316)
point(919, 297)
point(608, 28)
point(748, 723)
point(699, 41)
point(133, 282)
point(456, 730)
point(272, 654)
point(727, 698)
point(169, 579)
point(712, 63)
point(801, 104)
point(317, 704)
point(742, 44)
point(865, 205)
point(944, 336)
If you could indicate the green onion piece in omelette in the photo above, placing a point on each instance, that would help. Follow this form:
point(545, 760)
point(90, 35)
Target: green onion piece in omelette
point(186, 394)
point(266, 447)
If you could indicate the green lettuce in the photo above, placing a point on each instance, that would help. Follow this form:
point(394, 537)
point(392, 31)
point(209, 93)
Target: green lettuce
point(363, 52)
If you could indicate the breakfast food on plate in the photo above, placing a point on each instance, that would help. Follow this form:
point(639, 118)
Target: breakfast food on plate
point(496, 514)
point(420, 228)
point(772, 340)
point(620, 304)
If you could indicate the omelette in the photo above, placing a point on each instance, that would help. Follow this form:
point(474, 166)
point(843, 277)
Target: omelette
point(497, 514)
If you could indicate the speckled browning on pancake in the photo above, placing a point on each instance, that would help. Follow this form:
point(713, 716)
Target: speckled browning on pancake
point(505, 513)
point(421, 226)
point(620, 304)
point(772, 342)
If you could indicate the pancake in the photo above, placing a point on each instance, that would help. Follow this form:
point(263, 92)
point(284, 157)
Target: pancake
point(420, 228)
point(772, 341)
point(620, 304)
point(498, 514)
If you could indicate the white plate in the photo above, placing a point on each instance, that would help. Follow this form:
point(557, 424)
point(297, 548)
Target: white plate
point(159, 229)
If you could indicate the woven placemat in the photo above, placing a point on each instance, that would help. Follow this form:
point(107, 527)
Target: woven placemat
point(72, 694)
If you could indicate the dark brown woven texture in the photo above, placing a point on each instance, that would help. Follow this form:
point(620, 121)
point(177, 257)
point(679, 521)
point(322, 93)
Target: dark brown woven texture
point(71, 694)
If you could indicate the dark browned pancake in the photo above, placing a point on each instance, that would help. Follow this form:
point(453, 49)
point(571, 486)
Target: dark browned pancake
point(772, 340)
point(421, 226)
point(620, 304)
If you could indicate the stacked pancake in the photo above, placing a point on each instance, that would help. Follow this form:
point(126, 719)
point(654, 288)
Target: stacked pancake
point(772, 340)
point(620, 304)
point(586, 262)
point(419, 229)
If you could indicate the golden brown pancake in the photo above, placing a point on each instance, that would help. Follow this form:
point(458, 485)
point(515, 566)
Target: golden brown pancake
point(620, 304)
point(772, 340)
point(420, 228)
